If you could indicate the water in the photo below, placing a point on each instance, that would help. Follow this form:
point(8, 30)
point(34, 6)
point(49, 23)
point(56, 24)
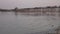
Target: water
point(11, 23)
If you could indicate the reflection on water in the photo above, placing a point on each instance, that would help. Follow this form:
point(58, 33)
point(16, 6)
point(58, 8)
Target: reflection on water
point(15, 23)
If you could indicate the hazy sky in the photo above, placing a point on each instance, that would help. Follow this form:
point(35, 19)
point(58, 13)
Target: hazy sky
point(27, 3)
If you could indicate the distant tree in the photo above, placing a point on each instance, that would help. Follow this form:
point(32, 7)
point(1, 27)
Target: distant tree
point(54, 7)
point(51, 7)
point(16, 9)
point(59, 6)
point(48, 7)
point(36, 8)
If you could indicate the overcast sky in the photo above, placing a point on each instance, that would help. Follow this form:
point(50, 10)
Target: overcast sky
point(27, 3)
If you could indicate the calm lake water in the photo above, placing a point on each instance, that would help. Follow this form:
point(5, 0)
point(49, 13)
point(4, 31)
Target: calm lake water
point(10, 23)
